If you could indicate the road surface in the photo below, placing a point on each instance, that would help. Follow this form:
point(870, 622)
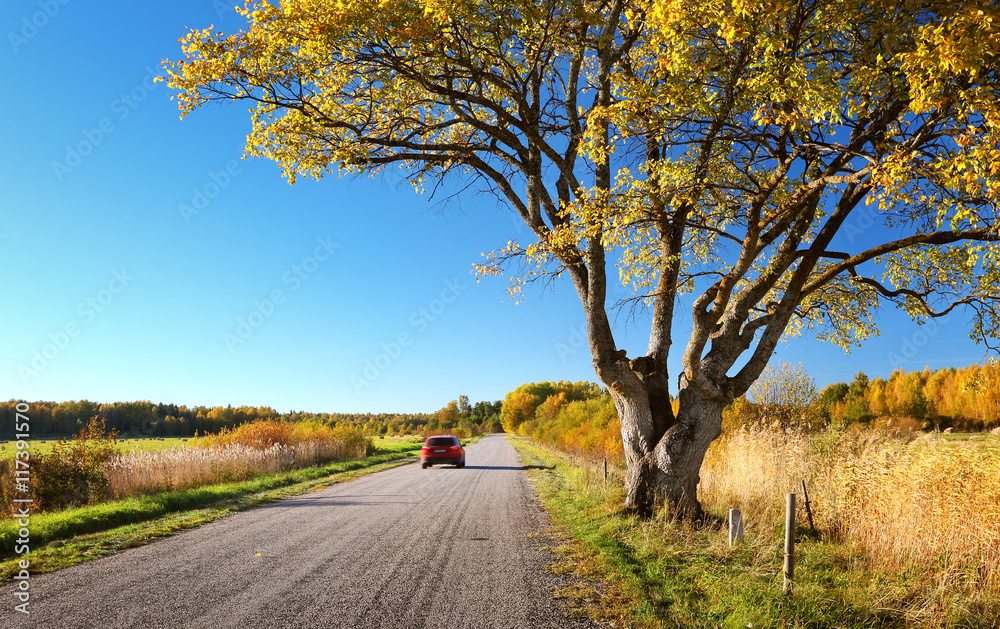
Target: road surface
point(406, 547)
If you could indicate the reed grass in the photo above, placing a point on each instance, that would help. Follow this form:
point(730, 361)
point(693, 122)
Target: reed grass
point(261, 447)
point(658, 573)
point(925, 508)
point(145, 472)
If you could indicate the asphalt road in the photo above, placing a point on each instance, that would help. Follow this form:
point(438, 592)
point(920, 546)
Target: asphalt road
point(407, 547)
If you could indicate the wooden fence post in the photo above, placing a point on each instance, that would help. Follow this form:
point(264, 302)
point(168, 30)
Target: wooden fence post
point(809, 511)
point(789, 568)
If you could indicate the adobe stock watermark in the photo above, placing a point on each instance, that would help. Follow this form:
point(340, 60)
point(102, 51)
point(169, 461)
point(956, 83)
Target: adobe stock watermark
point(419, 321)
point(577, 338)
point(21, 507)
point(910, 346)
point(122, 107)
point(222, 7)
point(86, 311)
point(860, 223)
point(202, 196)
point(293, 278)
point(32, 25)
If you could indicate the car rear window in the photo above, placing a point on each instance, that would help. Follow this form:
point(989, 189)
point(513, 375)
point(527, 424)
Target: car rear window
point(440, 441)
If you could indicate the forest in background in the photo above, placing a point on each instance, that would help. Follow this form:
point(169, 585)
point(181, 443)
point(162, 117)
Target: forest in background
point(580, 417)
point(143, 418)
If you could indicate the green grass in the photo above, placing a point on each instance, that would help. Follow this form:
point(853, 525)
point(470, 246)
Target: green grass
point(39, 447)
point(655, 573)
point(398, 444)
point(64, 538)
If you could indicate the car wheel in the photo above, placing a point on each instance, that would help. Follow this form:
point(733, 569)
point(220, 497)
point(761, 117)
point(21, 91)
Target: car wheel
point(423, 466)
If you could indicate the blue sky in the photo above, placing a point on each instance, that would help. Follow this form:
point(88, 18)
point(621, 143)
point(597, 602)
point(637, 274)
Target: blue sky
point(142, 258)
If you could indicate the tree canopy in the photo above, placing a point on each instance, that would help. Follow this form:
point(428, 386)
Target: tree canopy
point(793, 165)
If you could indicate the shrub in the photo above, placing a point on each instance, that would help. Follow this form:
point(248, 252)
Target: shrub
point(88, 468)
point(73, 474)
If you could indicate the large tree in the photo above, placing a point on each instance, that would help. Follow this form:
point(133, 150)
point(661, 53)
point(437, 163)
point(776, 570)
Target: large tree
point(790, 165)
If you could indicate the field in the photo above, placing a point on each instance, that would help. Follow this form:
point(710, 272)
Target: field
point(906, 535)
point(159, 487)
point(147, 444)
point(154, 444)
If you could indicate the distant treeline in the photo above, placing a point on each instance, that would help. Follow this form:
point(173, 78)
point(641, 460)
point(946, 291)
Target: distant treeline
point(580, 417)
point(966, 399)
point(143, 418)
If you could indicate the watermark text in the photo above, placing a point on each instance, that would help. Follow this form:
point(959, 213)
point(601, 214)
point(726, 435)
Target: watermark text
point(419, 320)
point(86, 312)
point(22, 508)
point(293, 278)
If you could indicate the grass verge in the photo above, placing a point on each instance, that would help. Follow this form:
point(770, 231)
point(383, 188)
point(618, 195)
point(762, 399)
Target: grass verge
point(654, 573)
point(65, 538)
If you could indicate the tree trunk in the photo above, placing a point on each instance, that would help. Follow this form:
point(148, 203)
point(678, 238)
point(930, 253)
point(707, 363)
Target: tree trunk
point(663, 467)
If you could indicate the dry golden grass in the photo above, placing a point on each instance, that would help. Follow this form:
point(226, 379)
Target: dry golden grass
point(923, 507)
point(752, 470)
point(254, 448)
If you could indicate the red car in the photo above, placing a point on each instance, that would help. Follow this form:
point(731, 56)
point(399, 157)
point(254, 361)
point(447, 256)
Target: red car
point(442, 449)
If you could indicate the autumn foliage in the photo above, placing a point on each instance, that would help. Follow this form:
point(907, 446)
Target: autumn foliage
point(586, 427)
point(523, 403)
point(576, 417)
point(966, 399)
point(266, 433)
point(581, 418)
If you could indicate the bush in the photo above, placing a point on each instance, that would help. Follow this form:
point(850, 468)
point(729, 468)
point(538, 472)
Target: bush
point(73, 474)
